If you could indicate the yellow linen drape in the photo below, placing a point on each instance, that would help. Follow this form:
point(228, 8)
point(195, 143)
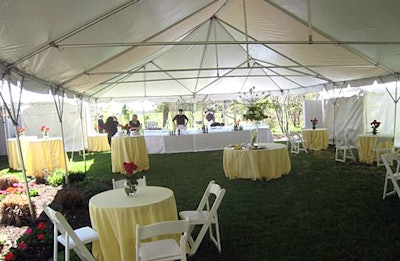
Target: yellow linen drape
point(366, 144)
point(269, 163)
point(39, 154)
point(98, 143)
point(127, 149)
point(316, 139)
point(114, 216)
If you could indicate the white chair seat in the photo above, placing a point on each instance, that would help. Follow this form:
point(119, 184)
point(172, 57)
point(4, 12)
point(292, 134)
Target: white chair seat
point(195, 217)
point(165, 249)
point(85, 234)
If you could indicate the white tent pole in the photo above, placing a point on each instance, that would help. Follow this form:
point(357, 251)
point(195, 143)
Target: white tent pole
point(80, 107)
point(14, 117)
point(59, 103)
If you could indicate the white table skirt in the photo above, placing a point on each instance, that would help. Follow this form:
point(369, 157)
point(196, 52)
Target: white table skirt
point(201, 142)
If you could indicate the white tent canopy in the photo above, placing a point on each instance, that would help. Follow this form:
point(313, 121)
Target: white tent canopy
point(194, 50)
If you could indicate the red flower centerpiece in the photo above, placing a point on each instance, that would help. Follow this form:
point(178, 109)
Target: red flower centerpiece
point(314, 123)
point(45, 131)
point(131, 183)
point(21, 131)
point(374, 125)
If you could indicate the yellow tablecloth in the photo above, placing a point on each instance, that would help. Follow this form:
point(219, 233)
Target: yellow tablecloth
point(367, 142)
point(269, 163)
point(127, 149)
point(316, 139)
point(98, 142)
point(114, 216)
point(38, 154)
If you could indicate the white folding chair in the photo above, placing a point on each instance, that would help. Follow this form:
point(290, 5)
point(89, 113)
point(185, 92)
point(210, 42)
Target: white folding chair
point(120, 183)
point(297, 143)
point(69, 238)
point(344, 146)
point(380, 147)
point(206, 217)
point(162, 249)
point(391, 161)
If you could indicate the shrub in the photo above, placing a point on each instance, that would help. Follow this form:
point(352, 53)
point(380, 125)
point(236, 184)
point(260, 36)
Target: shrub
point(41, 176)
point(7, 181)
point(76, 177)
point(35, 242)
point(15, 210)
point(56, 179)
point(69, 198)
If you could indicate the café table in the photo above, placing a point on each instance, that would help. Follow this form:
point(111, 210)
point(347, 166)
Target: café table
point(268, 161)
point(128, 149)
point(114, 216)
point(98, 142)
point(38, 154)
point(366, 144)
point(316, 139)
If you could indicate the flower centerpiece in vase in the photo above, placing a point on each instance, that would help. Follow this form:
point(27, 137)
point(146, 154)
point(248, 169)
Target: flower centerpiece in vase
point(96, 129)
point(255, 110)
point(131, 183)
point(374, 125)
point(21, 131)
point(314, 123)
point(45, 131)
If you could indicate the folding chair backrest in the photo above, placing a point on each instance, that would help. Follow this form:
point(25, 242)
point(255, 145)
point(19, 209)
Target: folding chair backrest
point(62, 225)
point(389, 160)
point(163, 229)
point(215, 190)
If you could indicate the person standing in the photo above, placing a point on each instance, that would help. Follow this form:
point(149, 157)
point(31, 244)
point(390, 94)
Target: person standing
point(111, 127)
point(134, 124)
point(209, 117)
point(180, 120)
point(100, 124)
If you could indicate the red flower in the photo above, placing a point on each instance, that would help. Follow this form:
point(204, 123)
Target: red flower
point(375, 124)
point(130, 167)
point(314, 120)
point(9, 256)
point(40, 237)
point(41, 226)
point(28, 231)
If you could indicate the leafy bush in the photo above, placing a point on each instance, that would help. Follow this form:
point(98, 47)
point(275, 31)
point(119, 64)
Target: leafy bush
point(41, 176)
point(56, 179)
point(15, 210)
point(7, 181)
point(75, 177)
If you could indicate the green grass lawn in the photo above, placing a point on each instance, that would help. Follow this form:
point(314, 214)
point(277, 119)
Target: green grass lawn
point(323, 210)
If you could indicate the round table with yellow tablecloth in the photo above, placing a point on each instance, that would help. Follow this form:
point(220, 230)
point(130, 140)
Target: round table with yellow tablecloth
point(38, 154)
point(128, 149)
point(114, 216)
point(98, 142)
point(270, 161)
point(316, 139)
point(366, 144)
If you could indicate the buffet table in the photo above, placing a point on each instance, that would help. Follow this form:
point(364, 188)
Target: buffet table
point(38, 154)
point(114, 216)
point(316, 139)
point(128, 149)
point(98, 142)
point(270, 161)
point(199, 142)
point(367, 143)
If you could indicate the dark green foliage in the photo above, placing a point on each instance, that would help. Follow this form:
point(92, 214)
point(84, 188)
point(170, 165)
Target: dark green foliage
point(75, 177)
point(69, 198)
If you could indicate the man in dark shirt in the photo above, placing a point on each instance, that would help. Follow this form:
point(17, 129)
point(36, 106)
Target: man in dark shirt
point(100, 124)
point(180, 120)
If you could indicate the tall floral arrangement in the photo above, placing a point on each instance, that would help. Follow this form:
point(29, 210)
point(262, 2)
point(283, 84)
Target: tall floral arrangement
point(314, 122)
point(255, 105)
point(45, 130)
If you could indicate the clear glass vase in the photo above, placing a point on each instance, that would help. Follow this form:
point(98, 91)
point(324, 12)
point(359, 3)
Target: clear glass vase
point(130, 188)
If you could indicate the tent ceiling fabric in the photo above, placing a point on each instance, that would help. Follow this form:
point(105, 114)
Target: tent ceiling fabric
point(195, 50)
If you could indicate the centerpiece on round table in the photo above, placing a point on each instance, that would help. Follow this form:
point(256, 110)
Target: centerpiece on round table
point(130, 185)
point(375, 125)
point(256, 105)
point(21, 131)
point(45, 131)
point(314, 123)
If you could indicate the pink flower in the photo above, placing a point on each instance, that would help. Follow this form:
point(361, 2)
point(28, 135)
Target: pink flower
point(28, 231)
point(22, 245)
